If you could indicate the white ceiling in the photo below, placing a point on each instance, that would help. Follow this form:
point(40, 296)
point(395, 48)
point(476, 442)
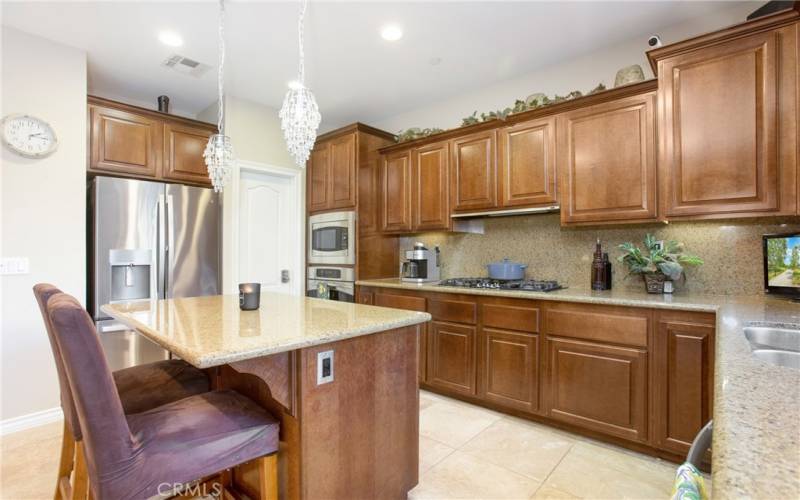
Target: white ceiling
point(353, 72)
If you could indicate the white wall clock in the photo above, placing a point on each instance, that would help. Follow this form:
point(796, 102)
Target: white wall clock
point(28, 136)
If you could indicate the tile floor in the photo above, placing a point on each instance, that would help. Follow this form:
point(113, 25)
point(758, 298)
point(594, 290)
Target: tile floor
point(471, 452)
point(465, 452)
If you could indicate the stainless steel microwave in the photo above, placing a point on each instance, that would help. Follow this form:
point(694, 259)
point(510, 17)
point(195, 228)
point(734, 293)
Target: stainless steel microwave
point(331, 238)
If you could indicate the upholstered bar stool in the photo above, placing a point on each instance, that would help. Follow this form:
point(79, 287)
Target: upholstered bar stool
point(144, 454)
point(140, 388)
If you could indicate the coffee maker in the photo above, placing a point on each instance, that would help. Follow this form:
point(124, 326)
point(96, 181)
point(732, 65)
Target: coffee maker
point(421, 264)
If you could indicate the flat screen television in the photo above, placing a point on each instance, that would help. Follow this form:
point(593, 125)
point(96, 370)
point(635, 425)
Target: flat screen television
point(782, 263)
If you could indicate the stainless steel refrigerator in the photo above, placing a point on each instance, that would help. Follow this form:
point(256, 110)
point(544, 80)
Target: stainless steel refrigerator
point(148, 240)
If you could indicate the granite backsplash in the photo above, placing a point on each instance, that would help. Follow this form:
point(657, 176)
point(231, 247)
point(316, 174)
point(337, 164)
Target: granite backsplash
point(731, 250)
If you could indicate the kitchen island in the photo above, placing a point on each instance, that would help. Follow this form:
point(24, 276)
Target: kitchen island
point(700, 366)
point(350, 425)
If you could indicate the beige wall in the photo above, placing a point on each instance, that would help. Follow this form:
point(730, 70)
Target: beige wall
point(582, 74)
point(731, 250)
point(255, 131)
point(43, 211)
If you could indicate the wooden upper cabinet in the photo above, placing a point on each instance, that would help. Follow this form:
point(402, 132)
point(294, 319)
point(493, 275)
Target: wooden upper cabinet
point(318, 194)
point(430, 191)
point(396, 192)
point(527, 163)
point(728, 122)
point(135, 142)
point(474, 171)
point(343, 171)
point(183, 153)
point(607, 161)
point(684, 366)
point(124, 142)
point(369, 181)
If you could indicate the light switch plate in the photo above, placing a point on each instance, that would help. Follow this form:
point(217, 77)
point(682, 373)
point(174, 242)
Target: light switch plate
point(14, 265)
point(324, 367)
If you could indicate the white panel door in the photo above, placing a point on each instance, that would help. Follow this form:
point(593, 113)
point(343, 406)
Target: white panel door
point(268, 231)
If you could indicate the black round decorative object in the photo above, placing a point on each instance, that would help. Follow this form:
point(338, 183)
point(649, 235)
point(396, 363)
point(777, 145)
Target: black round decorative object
point(249, 296)
point(163, 104)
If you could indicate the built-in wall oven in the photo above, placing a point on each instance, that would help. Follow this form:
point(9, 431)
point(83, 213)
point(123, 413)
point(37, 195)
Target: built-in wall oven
point(331, 238)
point(330, 282)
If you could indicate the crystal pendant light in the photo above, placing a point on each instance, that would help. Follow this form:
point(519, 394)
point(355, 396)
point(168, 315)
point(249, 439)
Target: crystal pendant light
point(299, 115)
point(219, 150)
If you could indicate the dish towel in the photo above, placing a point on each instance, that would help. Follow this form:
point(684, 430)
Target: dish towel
point(688, 484)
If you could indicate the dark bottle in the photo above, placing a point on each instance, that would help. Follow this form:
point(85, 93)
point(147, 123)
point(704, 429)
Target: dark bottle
point(598, 269)
point(608, 271)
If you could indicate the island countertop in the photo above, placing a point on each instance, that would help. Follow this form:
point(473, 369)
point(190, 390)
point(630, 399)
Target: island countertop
point(212, 330)
point(756, 443)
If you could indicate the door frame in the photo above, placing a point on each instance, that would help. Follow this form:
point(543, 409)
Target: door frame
point(230, 224)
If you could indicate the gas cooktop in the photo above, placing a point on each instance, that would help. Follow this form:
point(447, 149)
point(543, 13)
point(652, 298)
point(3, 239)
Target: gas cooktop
point(521, 285)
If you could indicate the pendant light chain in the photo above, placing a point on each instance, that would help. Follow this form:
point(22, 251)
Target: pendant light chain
point(301, 21)
point(219, 150)
point(221, 69)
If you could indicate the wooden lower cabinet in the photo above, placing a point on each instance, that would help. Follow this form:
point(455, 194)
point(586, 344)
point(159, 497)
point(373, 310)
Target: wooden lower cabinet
point(598, 386)
point(451, 357)
point(364, 297)
point(637, 377)
point(399, 301)
point(684, 378)
point(509, 368)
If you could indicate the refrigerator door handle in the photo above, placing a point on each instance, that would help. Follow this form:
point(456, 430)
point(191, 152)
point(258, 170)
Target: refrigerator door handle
point(161, 257)
point(169, 262)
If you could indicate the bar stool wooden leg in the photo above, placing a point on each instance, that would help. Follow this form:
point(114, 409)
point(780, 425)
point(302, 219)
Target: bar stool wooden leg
point(268, 477)
point(80, 486)
point(66, 463)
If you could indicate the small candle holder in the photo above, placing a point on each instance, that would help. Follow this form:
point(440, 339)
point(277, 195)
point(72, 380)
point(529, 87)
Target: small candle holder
point(249, 296)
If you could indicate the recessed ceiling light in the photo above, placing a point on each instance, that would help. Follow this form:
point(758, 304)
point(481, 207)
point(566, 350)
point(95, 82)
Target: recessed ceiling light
point(392, 32)
point(170, 38)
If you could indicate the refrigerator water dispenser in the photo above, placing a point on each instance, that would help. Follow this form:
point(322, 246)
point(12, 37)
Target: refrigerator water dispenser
point(130, 274)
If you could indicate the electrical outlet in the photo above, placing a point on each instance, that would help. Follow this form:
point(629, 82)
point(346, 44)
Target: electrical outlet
point(14, 265)
point(324, 367)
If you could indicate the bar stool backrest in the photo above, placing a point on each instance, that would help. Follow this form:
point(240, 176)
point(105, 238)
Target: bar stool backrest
point(43, 292)
point(108, 444)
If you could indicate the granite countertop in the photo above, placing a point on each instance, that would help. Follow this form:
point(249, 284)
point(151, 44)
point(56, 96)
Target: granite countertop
point(756, 439)
point(211, 331)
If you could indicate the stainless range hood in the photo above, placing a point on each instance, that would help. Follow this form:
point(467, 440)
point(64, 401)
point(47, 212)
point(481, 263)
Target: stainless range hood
point(505, 213)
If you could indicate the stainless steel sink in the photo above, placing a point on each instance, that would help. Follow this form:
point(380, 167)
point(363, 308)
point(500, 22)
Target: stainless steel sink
point(765, 337)
point(789, 359)
point(777, 346)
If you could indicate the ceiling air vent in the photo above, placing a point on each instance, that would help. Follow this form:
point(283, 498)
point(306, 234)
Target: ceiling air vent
point(186, 66)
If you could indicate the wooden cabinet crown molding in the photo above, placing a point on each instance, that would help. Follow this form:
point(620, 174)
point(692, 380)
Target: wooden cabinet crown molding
point(761, 24)
point(553, 109)
point(356, 127)
point(108, 103)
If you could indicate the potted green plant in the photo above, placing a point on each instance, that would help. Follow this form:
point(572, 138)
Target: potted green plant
point(657, 262)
